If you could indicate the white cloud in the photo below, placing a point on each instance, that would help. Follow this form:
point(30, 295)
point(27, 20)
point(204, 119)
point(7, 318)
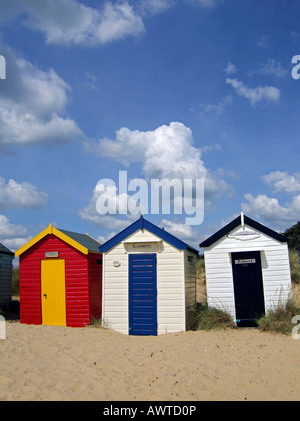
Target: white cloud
point(209, 4)
point(283, 182)
point(31, 103)
point(268, 208)
point(230, 68)
point(271, 67)
point(12, 236)
point(270, 211)
point(108, 221)
point(166, 152)
point(153, 7)
point(261, 93)
point(217, 108)
point(70, 22)
point(184, 232)
point(20, 195)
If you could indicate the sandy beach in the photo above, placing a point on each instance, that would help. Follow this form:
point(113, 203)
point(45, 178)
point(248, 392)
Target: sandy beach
point(40, 363)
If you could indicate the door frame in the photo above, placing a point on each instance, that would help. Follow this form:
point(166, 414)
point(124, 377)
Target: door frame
point(60, 318)
point(130, 290)
point(250, 300)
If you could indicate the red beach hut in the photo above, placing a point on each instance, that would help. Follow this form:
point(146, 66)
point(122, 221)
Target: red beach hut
point(60, 279)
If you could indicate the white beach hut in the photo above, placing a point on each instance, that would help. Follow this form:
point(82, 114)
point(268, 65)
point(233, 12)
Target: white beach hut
point(247, 269)
point(149, 281)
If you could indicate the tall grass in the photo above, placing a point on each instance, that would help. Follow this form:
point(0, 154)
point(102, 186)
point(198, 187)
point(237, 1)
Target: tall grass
point(207, 318)
point(279, 319)
point(294, 264)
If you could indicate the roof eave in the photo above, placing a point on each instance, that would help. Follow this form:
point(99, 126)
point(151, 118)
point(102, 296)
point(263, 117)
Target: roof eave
point(235, 223)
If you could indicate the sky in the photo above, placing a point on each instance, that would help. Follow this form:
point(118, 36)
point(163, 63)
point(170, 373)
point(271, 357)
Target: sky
point(157, 90)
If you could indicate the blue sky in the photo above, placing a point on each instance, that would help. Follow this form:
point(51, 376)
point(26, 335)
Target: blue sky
point(160, 88)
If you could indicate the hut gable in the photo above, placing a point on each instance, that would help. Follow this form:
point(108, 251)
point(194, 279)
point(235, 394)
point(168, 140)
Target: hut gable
point(143, 251)
point(240, 222)
point(246, 248)
point(62, 258)
point(140, 225)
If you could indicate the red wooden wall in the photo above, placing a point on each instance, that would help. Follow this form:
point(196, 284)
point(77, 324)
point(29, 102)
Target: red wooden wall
point(82, 277)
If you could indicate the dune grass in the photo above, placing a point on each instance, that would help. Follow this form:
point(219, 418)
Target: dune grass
point(207, 318)
point(294, 265)
point(279, 319)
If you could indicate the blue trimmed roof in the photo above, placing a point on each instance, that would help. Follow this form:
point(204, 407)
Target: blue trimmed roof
point(235, 223)
point(141, 224)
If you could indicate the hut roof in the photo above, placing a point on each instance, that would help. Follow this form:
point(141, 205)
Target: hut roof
point(82, 242)
point(5, 250)
point(243, 219)
point(141, 224)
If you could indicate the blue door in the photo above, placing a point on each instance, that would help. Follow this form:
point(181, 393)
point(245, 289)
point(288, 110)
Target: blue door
point(142, 294)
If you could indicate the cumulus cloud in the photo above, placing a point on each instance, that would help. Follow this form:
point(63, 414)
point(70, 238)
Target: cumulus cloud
point(95, 214)
point(70, 22)
point(283, 182)
point(184, 232)
point(166, 152)
point(268, 208)
point(20, 195)
point(255, 95)
point(31, 103)
point(12, 236)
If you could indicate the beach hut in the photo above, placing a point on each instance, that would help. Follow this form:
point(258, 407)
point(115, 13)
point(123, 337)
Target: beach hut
point(247, 269)
point(6, 258)
point(149, 281)
point(60, 279)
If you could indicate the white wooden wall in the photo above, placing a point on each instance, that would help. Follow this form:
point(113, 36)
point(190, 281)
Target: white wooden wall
point(190, 285)
point(171, 308)
point(275, 270)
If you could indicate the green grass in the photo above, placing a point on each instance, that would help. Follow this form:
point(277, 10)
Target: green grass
point(99, 323)
point(279, 320)
point(207, 318)
point(294, 264)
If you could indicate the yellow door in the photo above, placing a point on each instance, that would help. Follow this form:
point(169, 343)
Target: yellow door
point(53, 292)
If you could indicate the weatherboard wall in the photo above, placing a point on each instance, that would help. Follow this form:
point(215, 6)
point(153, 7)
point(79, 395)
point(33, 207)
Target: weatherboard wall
point(174, 295)
point(275, 270)
point(5, 278)
point(83, 289)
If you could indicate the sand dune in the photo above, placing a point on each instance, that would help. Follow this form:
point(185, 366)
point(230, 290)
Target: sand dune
point(59, 363)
